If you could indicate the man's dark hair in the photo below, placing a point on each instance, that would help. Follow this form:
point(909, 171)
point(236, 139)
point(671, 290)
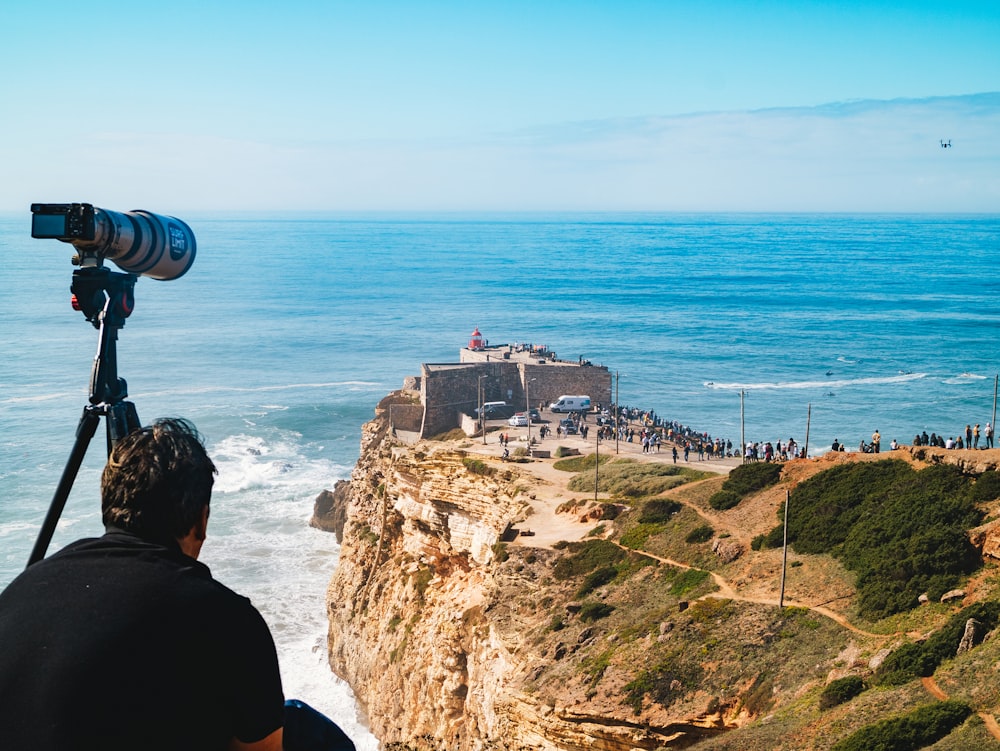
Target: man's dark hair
point(157, 481)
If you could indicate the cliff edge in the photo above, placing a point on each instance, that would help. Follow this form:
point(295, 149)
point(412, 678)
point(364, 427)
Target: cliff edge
point(486, 604)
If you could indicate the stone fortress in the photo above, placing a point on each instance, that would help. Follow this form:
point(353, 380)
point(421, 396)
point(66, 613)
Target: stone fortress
point(521, 375)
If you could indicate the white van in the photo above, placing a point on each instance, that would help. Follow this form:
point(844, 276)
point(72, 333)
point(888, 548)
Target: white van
point(571, 403)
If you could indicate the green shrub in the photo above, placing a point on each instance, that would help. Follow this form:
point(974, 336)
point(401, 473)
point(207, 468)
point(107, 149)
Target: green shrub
point(703, 533)
point(658, 510)
point(760, 697)
point(921, 659)
point(610, 511)
point(636, 536)
point(742, 481)
point(665, 682)
point(987, 487)
point(723, 500)
point(901, 531)
point(584, 557)
point(840, 690)
point(749, 478)
point(914, 730)
point(579, 463)
point(597, 578)
point(594, 611)
point(478, 467)
point(687, 580)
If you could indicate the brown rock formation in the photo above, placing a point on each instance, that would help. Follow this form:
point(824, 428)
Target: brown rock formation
point(428, 625)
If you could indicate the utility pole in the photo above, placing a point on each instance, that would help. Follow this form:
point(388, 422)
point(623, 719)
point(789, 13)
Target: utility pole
point(784, 554)
point(617, 412)
point(996, 379)
point(743, 432)
point(808, 420)
point(482, 417)
point(597, 462)
point(527, 408)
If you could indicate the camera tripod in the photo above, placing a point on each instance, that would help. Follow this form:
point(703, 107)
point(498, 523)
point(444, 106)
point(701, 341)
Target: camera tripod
point(106, 299)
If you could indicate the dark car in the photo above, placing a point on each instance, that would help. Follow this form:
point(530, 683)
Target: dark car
point(568, 427)
point(497, 411)
point(535, 415)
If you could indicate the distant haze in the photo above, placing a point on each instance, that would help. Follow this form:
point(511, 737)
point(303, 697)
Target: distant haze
point(881, 156)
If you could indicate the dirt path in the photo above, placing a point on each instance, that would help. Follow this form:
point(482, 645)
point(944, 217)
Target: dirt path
point(931, 686)
point(547, 526)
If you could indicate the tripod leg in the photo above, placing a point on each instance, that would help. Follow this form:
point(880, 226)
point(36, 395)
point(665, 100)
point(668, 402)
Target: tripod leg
point(84, 432)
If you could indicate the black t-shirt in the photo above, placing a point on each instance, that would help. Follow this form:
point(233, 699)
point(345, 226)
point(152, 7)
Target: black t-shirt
point(118, 643)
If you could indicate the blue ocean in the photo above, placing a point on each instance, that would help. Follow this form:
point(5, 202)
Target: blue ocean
point(289, 328)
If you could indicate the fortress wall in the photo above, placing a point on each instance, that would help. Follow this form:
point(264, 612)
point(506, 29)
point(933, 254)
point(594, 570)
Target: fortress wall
point(449, 390)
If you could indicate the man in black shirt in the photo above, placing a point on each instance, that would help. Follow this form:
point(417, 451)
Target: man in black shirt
point(126, 641)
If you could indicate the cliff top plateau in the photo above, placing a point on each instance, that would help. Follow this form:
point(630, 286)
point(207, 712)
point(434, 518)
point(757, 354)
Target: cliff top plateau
point(489, 603)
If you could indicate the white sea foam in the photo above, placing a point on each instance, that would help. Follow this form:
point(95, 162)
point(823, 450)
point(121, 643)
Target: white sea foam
point(261, 545)
point(844, 383)
point(225, 389)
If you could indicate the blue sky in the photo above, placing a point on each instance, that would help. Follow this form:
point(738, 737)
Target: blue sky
point(502, 106)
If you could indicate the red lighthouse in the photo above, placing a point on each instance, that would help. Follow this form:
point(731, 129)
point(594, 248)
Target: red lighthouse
point(476, 342)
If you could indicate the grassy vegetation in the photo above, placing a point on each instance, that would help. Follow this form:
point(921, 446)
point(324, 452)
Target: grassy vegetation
point(658, 510)
point(912, 731)
point(742, 481)
point(903, 532)
point(600, 561)
point(580, 463)
point(478, 467)
point(626, 478)
point(922, 658)
point(669, 679)
point(699, 534)
point(841, 690)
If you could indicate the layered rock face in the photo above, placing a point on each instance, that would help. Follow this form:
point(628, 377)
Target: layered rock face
point(406, 601)
point(424, 623)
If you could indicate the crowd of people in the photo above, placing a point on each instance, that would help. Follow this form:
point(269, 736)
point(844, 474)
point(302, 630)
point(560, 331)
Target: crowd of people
point(973, 437)
point(644, 427)
point(635, 425)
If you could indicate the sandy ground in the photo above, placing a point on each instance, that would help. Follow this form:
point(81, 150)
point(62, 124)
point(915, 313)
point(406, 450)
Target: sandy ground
point(547, 485)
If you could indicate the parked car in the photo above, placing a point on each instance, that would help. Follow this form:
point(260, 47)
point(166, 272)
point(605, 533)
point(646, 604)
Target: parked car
point(520, 420)
point(496, 411)
point(568, 426)
point(535, 415)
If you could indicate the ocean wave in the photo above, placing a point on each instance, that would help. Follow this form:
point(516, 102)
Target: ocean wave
point(963, 378)
point(43, 397)
point(781, 385)
point(222, 389)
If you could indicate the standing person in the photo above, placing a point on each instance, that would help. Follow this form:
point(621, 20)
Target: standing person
point(989, 434)
point(876, 441)
point(126, 641)
point(968, 436)
point(975, 436)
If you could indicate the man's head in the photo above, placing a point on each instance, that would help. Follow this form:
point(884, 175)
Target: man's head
point(158, 481)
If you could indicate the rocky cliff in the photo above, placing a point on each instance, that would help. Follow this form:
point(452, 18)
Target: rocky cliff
point(441, 629)
point(453, 638)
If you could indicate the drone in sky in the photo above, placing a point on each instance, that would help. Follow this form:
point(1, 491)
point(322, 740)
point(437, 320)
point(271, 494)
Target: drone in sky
point(946, 144)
